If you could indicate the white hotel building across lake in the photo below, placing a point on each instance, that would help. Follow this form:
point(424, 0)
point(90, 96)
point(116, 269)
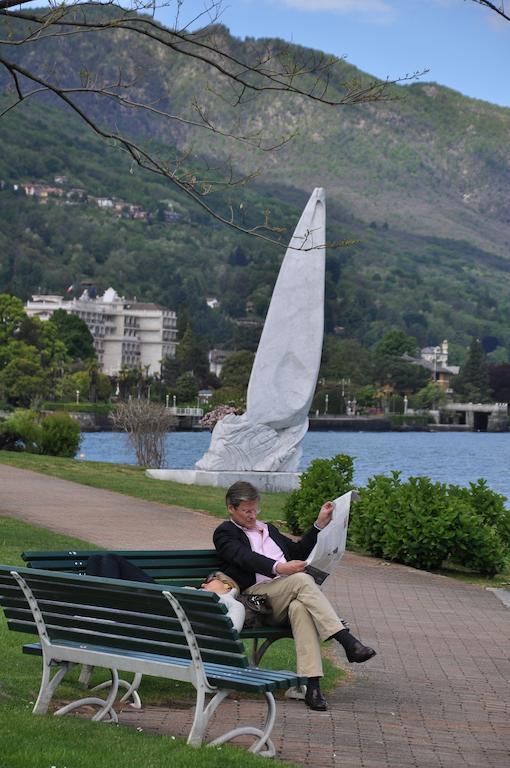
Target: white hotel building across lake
point(126, 333)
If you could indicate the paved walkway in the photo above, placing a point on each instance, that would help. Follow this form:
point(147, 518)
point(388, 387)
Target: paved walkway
point(437, 695)
point(107, 519)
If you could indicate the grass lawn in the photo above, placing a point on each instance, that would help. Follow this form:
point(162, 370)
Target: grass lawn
point(132, 481)
point(30, 741)
point(501, 579)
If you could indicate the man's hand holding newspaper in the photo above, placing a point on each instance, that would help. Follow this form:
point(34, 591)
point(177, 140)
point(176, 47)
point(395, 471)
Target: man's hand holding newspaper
point(331, 540)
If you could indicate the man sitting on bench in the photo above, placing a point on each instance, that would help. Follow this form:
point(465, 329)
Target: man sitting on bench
point(264, 561)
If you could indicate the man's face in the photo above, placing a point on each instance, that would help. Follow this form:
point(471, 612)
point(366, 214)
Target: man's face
point(245, 514)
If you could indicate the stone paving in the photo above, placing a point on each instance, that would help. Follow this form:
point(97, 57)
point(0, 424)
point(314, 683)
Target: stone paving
point(437, 695)
point(107, 519)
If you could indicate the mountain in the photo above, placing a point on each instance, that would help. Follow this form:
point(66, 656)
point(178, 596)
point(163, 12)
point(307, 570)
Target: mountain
point(422, 182)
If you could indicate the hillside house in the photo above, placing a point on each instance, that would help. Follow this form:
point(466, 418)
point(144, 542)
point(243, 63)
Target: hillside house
point(435, 359)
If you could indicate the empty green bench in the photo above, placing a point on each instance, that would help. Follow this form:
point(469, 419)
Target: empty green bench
point(186, 567)
point(126, 626)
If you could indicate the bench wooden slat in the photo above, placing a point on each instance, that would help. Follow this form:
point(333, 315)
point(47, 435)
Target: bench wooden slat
point(185, 554)
point(140, 612)
point(185, 566)
point(202, 561)
point(83, 637)
point(92, 588)
point(219, 625)
point(98, 601)
point(126, 643)
point(206, 633)
point(151, 566)
point(220, 630)
point(65, 627)
point(152, 631)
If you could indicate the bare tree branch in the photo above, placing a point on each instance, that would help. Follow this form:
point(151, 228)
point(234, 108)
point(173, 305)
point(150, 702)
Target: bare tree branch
point(311, 77)
point(498, 8)
point(191, 44)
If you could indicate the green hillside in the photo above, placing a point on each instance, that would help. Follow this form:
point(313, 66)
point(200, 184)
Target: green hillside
point(423, 182)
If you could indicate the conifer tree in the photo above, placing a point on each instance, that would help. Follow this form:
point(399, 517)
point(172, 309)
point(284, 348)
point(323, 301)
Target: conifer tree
point(473, 380)
point(192, 355)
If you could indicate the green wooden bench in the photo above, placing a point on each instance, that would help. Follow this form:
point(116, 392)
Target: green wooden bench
point(187, 567)
point(148, 629)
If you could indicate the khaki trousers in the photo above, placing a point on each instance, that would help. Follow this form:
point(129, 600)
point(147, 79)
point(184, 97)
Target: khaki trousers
point(299, 601)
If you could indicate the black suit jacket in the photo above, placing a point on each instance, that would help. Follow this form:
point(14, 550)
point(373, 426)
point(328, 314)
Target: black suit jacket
point(242, 564)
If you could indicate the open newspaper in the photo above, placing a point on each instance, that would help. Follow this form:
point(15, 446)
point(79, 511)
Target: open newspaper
point(331, 540)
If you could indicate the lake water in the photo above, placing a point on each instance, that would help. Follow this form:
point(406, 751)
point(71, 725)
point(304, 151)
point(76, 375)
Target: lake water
point(453, 457)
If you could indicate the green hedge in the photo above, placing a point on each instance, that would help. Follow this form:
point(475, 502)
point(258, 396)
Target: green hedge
point(60, 435)
point(418, 522)
point(57, 434)
point(324, 480)
point(423, 524)
point(78, 407)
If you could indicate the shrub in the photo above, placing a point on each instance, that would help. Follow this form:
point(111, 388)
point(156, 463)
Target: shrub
point(232, 396)
point(490, 508)
point(60, 435)
point(22, 428)
point(211, 418)
point(407, 522)
point(422, 523)
point(10, 440)
point(47, 405)
point(476, 546)
point(325, 479)
point(368, 516)
point(482, 538)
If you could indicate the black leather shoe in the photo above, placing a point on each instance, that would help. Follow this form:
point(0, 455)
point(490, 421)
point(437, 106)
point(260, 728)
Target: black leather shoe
point(359, 653)
point(315, 700)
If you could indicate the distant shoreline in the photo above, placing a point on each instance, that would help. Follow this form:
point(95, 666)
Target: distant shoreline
point(376, 424)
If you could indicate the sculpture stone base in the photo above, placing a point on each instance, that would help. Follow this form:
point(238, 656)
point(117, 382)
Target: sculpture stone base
point(273, 482)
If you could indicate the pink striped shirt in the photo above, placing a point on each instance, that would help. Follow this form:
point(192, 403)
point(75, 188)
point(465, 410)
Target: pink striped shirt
point(263, 544)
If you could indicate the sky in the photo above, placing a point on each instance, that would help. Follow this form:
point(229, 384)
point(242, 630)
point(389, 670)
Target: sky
point(464, 46)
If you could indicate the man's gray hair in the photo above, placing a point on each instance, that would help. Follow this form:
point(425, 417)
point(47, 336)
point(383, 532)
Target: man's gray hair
point(241, 491)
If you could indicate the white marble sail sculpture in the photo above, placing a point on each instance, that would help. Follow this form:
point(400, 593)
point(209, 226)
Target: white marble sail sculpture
point(267, 437)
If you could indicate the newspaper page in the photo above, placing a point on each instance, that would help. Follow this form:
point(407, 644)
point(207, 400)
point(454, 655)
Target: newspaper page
point(331, 540)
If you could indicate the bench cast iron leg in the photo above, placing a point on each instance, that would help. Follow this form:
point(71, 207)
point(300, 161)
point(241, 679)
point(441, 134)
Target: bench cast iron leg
point(85, 675)
point(202, 716)
point(131, 692)
point(263, 745)
point(257, 653)
point(296, 692)
point(49, 684)
point(105, 705)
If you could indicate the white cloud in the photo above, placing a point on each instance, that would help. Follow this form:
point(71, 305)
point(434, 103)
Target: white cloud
point(379, 8)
